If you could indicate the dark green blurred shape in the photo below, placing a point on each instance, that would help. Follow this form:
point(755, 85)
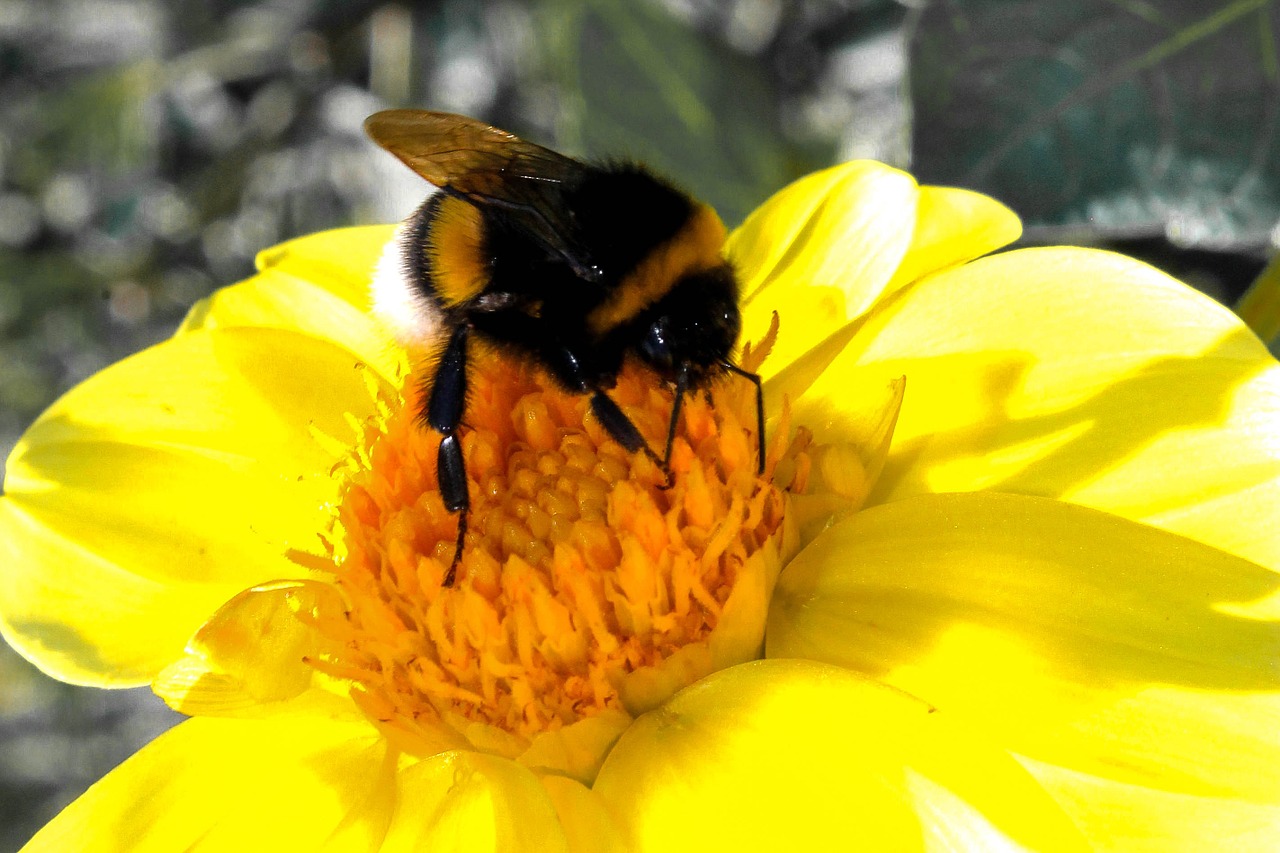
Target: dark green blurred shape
point(1113, 118)
point(653, 90)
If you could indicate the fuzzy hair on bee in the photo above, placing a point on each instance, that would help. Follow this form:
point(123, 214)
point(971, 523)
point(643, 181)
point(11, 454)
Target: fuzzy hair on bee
point(574, 266)
point(398, 302)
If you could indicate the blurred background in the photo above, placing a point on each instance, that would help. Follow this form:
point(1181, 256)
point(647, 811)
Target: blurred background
point(148, 149)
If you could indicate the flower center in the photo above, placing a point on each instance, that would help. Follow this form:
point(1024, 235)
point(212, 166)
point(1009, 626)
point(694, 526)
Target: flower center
point(581, 565)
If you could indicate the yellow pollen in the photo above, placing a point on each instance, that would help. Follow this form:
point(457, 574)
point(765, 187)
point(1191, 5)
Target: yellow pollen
point(581, 564)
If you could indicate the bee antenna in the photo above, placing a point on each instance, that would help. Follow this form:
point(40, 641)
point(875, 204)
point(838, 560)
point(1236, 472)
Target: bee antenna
point(755, 378)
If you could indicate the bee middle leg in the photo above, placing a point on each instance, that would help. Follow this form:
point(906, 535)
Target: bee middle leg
point(443, 414)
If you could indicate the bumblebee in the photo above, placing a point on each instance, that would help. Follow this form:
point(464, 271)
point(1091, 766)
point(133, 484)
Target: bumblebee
point(576, 266)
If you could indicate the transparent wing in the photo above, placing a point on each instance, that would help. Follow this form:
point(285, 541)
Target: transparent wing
point(491, 168)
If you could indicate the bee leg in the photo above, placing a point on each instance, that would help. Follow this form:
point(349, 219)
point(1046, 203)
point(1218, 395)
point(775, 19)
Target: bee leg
point(682, 387)
point(754, 377)
point(452, 474)
point(622, 430)
point(443, 414)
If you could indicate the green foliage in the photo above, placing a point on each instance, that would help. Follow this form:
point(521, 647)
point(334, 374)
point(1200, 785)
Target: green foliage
point(1117, 117)
point(645, 86)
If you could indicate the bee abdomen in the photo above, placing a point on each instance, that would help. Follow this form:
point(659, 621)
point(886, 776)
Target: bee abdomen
point(455, 251)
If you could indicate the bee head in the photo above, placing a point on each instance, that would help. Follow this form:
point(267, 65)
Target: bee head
point(694, 326)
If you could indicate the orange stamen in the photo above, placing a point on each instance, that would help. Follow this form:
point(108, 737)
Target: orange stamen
point(581, 565)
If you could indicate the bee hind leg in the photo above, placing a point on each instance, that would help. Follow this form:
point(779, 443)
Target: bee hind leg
point(452, 474)
point(443, 413)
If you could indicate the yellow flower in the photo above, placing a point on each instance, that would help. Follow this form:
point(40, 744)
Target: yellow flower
point(1026, 504)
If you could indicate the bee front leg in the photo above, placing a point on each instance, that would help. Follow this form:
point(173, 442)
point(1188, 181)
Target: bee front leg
point(682, 387)
point(754, 378)
point(444, 413)
point(622, 430)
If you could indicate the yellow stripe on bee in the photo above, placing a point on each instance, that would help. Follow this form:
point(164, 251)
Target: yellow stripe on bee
point(695, 247)
point(455, 252)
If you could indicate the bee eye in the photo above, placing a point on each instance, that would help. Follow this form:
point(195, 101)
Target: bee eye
point(655, 346)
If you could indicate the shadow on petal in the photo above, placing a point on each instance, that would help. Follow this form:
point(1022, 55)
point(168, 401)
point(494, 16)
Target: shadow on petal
point(1080, 637)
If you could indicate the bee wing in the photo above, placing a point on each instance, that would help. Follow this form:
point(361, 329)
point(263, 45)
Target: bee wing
point(490, 168)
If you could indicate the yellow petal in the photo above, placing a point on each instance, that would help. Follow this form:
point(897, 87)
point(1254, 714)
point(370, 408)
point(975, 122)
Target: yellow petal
point(252, 652)
point(576, 749)
point(840, 410)
point(1074, 637)
point(587, 824)
point(853, 431)
point(304, 780)
point(791, 755)
point(820, 252)
point(953, 226)
point(273, 299)
point(736, 638)
point(1079, 375)
point(341, 261)
point(164, 485)
point(82, 618)
point(288, 783)
point(1132, 819)
point(473, 802)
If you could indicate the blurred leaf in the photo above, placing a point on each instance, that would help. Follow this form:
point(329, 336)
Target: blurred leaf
point(1124, 117)
point(1259, 307)
point(651, 88)
point(101, 121)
